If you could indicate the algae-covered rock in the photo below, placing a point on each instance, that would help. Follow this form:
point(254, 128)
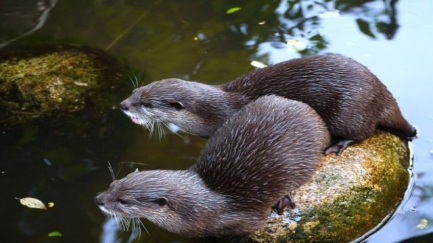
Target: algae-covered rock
point(51, 80)
point(348, 196)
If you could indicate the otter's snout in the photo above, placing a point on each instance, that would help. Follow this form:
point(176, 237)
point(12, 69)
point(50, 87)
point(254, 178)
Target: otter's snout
point(124, 105)
point(98, 201)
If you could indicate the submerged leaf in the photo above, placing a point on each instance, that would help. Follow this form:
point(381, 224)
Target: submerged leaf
point(55, 234)
point(32, 203)
point(232, 10)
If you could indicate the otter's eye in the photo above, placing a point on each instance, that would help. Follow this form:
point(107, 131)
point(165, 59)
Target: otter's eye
point(177, 105)
point(146, 104)
point(161, 201)
point(121, 201)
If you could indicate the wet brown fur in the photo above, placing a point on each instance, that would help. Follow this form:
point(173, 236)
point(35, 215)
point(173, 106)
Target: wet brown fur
point(350, 99)
point(270, 147)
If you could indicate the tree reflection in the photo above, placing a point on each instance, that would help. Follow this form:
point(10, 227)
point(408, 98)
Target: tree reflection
point(278, 22)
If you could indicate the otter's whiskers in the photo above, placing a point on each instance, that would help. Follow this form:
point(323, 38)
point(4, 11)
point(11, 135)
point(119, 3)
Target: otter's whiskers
point(124, 223)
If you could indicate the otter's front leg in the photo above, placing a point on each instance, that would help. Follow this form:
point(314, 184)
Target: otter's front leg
point(284, 202)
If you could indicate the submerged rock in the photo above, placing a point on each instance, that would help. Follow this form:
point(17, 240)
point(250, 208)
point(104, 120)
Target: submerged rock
point(348, 197)
point(51, 80)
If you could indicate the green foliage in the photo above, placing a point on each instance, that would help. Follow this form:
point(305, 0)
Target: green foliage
point(364, 27)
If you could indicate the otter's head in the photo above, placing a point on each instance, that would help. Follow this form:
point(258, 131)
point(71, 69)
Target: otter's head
point(196, 108)
point(174, 200)
point(129, 198)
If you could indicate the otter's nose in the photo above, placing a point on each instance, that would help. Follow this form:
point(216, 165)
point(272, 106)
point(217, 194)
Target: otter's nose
point(124, 105)
point(98, 201)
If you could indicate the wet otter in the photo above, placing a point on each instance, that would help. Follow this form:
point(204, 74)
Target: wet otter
point(349, 98)
point(270, 147)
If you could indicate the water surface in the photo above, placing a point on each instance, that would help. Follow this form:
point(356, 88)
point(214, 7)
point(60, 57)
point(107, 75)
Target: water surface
point(197, 40)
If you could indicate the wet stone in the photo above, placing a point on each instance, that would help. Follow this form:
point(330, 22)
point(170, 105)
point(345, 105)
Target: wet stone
point(348, 197)
point(51, 80)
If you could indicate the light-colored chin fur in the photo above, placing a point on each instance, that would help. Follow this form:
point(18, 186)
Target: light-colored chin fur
point(148, 123)
point(104, 210)
point(138, 119)
point(124, 223)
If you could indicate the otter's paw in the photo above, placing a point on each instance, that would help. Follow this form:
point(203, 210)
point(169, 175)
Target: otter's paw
point(337, 146)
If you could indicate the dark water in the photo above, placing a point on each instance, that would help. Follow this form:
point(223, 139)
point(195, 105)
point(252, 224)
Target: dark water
point(197, 40)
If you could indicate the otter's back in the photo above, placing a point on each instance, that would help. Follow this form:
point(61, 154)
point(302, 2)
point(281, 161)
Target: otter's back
point(337, 87)
point(270, 147)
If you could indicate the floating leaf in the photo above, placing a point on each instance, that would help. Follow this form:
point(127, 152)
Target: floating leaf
point(32, 203)
point(50, 204)
point(297, 45)
point(55, 234)
point(232, 10)
point(258, 64)
point(423, 223)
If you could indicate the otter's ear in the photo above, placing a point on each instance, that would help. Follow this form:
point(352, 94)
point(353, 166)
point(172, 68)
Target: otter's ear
point(161, 201)
point(177, 105)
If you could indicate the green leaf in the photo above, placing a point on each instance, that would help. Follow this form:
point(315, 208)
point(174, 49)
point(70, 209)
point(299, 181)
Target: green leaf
point(55, 234)
point(364, 26)
point(232, 10)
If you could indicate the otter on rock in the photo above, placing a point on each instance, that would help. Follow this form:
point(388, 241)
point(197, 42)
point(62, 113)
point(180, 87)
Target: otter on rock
point(270, 147)
point(349, 98)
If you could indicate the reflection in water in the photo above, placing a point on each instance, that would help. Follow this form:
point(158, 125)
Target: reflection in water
point(31, 20)
point(111, 231)
point(301, 20)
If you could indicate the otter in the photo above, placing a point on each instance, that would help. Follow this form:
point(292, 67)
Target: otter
point(270, 147)
point(350, 99)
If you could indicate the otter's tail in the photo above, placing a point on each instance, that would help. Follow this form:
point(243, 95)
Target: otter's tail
point(393, 121)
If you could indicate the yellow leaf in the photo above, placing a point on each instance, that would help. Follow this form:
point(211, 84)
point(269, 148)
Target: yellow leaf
point(32, 203)
point(423, 223)
point(50, 204)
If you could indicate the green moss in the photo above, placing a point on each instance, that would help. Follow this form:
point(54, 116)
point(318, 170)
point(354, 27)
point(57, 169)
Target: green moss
point(348, 196)
point(36, 83)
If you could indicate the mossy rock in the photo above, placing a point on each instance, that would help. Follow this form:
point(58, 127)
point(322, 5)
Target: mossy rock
point(51, 80)
point(348, 197)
